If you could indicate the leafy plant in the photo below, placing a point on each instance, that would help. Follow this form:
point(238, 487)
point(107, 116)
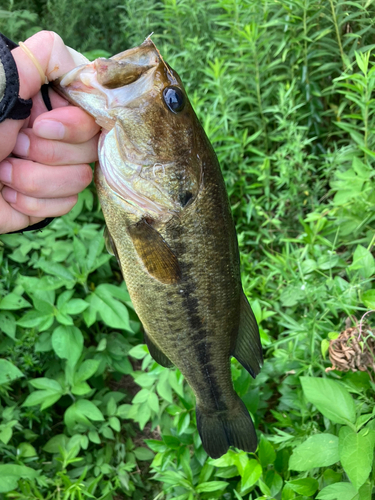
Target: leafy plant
point(284, 91)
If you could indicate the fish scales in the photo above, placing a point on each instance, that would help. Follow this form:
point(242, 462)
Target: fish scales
point(170, 226)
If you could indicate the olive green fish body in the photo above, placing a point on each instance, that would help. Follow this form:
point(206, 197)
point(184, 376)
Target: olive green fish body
point(170, 226)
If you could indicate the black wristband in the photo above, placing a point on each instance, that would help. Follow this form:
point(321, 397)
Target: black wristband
point(11, 105)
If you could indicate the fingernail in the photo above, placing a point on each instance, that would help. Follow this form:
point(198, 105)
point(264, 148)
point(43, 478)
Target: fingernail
point(9, 195)
point(22, 145)
point(6, 172)
point(49, 129)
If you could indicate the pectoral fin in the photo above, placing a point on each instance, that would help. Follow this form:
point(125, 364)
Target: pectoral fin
point(156, 353)
point(157, 257)
point(248, 350)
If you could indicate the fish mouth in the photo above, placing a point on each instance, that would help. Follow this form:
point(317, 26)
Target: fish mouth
point(113, 82)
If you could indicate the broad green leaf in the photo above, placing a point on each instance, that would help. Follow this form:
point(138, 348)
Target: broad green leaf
point(356, 454)
point(94, 437)
point(163, 387)
point(88, 409)
point(46, 383)
point(368, 298)
point(55, 443)
point(266, 453)
point(8, 372)
point(55, 269)
point(26, 450)
point(143, 453)
point(337, 491)
point(211, 486)
point(8, 324)
point(153, 402)
point(75, 306)
point(251, 474)
point(330, 398)
point(306, 487)
point(11, 473)
point(139, 351)
point(44, 398)
point(363, 262)
point(114, 422)
point(112, 312)
point(319, 450)
point(86, 370)
point(67, 342)
point(81, 389)
point(33, 319)
point(274, 482)
point(12, 301)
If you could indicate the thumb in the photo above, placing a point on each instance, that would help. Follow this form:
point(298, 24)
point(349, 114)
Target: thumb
point(54, 58)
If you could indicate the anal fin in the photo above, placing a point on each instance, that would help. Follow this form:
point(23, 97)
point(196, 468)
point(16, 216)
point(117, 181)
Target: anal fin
point(248, 349)
point(156, 353)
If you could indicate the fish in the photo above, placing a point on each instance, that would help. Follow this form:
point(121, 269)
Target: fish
point(169, 223)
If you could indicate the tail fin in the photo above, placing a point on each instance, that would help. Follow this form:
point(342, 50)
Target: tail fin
point(220, 430)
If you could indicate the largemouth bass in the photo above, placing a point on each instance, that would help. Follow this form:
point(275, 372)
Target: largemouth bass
point(169, 224)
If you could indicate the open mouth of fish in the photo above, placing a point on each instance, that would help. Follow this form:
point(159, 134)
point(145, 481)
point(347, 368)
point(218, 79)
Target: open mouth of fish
point(102, 88)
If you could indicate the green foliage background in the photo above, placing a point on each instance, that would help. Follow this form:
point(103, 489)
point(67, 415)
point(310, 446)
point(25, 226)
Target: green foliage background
point(285, 92)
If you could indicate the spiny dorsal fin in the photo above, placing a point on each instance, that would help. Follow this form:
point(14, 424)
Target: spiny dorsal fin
point(157, 257)
point(156, 353)
point(248, 350)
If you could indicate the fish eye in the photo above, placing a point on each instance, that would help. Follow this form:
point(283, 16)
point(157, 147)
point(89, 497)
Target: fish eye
point(174, 98)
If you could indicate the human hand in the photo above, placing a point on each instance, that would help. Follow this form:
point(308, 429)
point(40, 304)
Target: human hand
point(50, 150)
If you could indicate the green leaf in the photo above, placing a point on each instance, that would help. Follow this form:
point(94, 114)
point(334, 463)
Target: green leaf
point(266, 453)
point(34, 319)
point(55, 443)
point(12, 301)
point(319, 450)
point(75, 306)
point(46, 383)
point(306, 486)
point(11, 473)
point(8, 324)
point(356, 454)
point(330, 398)
point(112, 312)
point(26, 450)
point(143, 453)
point(94, 437)
point(363, 261)
point(251, 474)
point(44, 398)
point(86, 370)
point(88, 409)
point(139, 351)
point(55, 269)
point(8, 372)
point(337, 491)
point(67, 342)
point(114, 422)
point(368, 298)
point(211, 486)
point(163, 387)
point(81, 389)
